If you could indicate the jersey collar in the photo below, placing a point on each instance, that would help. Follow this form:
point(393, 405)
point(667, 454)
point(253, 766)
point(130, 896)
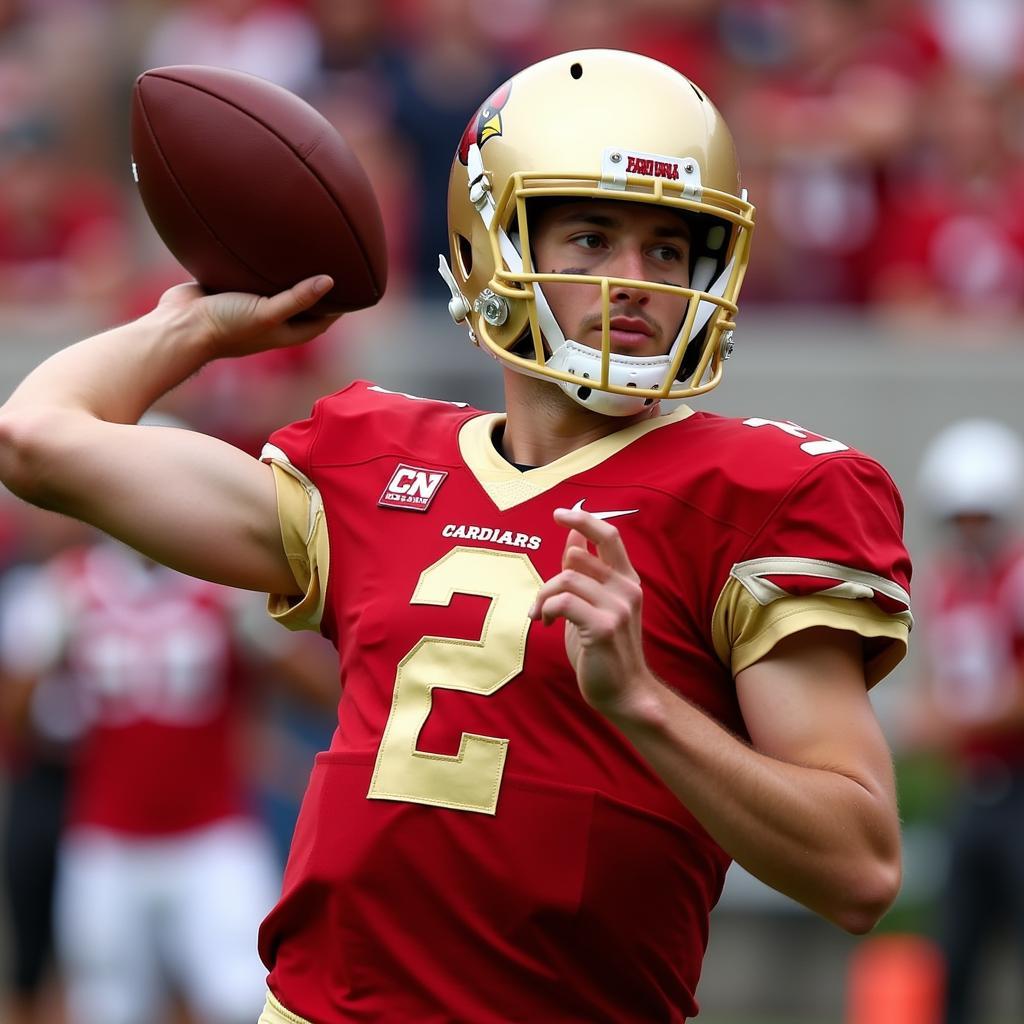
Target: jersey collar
point(508, 487)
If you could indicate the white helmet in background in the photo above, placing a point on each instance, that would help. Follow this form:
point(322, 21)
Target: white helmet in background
point(974, 466)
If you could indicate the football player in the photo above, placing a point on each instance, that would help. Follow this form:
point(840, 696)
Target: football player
point(591, 650)
point(972, 482)
point(163, 870)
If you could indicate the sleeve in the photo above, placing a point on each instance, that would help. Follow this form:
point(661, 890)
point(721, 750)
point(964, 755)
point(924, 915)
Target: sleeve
point(300, 513)
point(830, 554)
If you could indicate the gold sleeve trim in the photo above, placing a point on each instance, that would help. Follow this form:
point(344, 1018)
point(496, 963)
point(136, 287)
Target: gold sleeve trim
point(744, 631)
point(304, 535)
point(275, 1013)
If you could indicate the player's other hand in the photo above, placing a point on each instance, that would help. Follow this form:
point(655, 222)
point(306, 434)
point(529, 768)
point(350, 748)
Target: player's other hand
point(598, 594)
point(238, 324)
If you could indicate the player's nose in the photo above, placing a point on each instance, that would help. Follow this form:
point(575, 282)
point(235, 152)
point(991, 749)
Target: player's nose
point(628, 263)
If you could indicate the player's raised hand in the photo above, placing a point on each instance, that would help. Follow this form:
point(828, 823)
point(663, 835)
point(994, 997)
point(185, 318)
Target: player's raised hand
point(598, 594)
point(237, 323)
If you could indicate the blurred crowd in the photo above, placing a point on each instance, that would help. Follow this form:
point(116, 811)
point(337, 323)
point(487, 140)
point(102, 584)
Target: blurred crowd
point(882, 140)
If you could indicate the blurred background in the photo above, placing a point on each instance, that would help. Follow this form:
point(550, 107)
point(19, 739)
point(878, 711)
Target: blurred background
point(882, 142)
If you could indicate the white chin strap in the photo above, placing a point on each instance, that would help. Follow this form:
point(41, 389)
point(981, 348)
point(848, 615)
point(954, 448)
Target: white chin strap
point(582, 361)
point(626, 371)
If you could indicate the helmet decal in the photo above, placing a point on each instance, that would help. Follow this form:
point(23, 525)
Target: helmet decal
point(486, 122)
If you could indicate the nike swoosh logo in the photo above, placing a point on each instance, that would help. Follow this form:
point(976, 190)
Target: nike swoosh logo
point(578, 507)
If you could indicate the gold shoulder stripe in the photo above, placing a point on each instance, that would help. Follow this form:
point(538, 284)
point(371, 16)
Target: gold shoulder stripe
point(507, 486)
point(304, 536)
point(853, 583)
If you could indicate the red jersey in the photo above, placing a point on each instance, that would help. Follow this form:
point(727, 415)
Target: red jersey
point(479, 845)
point(156, 673)
point(974, 633)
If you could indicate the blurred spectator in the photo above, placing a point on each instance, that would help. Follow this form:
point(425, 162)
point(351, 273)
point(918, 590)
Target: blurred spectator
point(163, 874)
point(354, 37)
point(952, 245)
point(575, 25)
point(683, 34)
point(38, 731)
point(269, 38)
point(63, 232)
point(818, 134)
point(447, 63)
point(359, 69)
point(680, 33)
point(971, 610)
point(983, 37)
point(55, 65)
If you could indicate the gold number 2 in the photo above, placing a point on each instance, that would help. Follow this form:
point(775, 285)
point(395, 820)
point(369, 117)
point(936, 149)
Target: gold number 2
point(469, 780)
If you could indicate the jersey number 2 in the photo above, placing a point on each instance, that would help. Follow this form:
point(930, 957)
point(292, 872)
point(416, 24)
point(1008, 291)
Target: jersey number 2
point(470, 779)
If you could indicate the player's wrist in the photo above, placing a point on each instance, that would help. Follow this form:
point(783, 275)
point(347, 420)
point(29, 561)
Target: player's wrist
point(638, 706)
point(185, 330)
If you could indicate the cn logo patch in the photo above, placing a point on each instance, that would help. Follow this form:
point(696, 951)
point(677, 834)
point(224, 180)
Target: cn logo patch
point(412, 487)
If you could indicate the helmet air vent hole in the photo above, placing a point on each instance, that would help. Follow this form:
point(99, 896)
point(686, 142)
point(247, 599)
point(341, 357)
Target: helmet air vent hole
point(631, 384)
point(648, 401)
point(576, 71)
point(465, 255)
point(584, 394)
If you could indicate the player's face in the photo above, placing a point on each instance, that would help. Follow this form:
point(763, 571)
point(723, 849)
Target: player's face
point(977, 531)
point(638, 241)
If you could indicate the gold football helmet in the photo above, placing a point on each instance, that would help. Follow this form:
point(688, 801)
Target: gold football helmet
point(609, 125)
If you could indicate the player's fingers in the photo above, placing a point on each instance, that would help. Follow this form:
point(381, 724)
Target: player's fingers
point(578, 583)
point(582, 559)
point(601, 599)
point(297, 299)
point(605, 537)
point(574, 609)
point(574, 540)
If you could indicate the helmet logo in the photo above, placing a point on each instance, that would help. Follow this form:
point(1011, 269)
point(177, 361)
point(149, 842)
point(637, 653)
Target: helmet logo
point(616, 164)
point(485, 123)
point(653, 168)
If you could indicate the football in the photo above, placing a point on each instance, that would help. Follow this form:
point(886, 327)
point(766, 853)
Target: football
point(252, 189)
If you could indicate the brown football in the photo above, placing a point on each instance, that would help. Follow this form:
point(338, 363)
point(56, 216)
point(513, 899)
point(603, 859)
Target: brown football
point(252, 189)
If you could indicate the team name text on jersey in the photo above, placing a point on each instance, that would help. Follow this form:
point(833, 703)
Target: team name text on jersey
point(492, 534)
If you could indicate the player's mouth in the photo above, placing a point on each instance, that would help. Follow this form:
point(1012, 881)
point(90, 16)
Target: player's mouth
point(628, 333)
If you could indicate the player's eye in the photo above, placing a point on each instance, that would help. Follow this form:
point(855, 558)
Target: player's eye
point(667, 253)
point(589, 240)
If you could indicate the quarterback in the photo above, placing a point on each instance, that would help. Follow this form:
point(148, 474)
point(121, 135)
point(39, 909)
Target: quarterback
point(591, 650)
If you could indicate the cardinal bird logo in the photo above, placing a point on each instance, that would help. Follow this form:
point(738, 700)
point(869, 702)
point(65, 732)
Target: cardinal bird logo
point(486, 123)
